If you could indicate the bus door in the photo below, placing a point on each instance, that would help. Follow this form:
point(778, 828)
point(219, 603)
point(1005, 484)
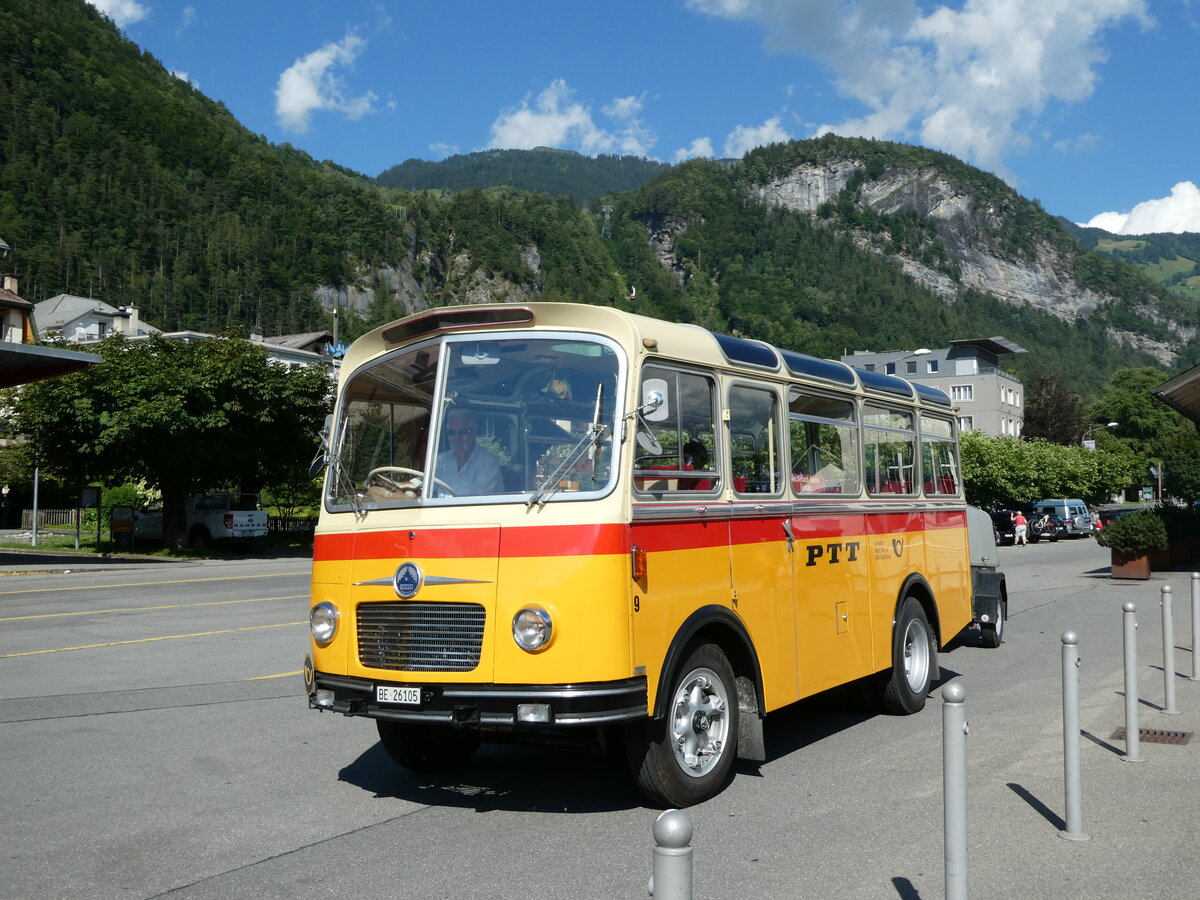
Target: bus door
point(680, 525)
point(831, 558)
point(761, 561)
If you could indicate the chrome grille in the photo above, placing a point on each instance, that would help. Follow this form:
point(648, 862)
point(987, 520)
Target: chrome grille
point(420, 637)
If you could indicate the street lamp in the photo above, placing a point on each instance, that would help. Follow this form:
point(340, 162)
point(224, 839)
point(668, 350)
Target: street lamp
point(923, 351)
point(1091, 445)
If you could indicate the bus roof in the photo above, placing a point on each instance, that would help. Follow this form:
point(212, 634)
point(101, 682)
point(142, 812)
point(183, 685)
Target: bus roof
point(649, 336)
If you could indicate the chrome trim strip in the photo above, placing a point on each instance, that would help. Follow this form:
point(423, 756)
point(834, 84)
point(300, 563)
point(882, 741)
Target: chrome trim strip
point(429, 580)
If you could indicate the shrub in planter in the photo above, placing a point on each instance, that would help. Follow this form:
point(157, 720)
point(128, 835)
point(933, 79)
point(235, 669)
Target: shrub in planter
point(1134, 534)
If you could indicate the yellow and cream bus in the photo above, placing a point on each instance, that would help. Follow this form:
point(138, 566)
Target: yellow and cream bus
point(566, 522)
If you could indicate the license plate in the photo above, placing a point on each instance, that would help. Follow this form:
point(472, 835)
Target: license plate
point(387, 693)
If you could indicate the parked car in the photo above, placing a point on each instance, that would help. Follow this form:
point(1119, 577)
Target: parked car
point(1112, 513)
point(1002, 521)
point(235, 519)
point(1073, 512)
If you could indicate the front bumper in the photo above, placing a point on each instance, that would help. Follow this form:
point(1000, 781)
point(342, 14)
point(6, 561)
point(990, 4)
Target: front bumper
point(493, 706)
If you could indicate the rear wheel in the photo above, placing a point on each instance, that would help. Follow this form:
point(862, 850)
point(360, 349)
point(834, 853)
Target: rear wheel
point(686, 757)
point(914, 656)
point(993, 632)
point(427, 748)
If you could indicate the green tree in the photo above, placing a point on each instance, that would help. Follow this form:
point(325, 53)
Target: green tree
point(1181, 472)
point(1053, 412)
point(180, 416)
point(1143, 423)
point(1003, 471)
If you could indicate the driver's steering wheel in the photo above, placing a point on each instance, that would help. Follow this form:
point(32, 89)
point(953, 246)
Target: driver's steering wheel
point(411, 486)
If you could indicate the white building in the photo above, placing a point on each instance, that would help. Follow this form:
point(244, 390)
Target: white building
point(986, 397)
point(80, 319)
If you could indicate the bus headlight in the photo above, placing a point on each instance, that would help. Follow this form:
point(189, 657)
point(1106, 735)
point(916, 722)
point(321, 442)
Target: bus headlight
point(532, 628)
point(323, 622)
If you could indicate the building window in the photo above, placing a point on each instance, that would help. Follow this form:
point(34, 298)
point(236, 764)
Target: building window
point(890, 368)
point(966, 423)
point(931, 367)
point(1016, 398)
point(962, 392)
point(910, 367)
point(870, 367)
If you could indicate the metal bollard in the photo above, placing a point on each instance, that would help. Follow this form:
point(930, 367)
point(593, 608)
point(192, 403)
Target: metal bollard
point(1072, 779)
point(1196, 626)
point(954, 788)
point(1168, 629)
point(1133, 742)
point(671, 878)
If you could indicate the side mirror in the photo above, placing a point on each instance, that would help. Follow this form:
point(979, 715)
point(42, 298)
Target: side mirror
point(322, 455)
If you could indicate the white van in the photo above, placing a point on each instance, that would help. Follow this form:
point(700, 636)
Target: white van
point(1073, 512)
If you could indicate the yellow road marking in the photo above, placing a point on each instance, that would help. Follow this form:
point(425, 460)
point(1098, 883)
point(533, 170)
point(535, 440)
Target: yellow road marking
point(169, 637)
point(91, 612)
point(100, 587)
point(269, 677)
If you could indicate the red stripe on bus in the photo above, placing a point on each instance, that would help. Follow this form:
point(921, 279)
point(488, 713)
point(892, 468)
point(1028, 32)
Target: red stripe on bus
point(597, 539)
point(454, 543)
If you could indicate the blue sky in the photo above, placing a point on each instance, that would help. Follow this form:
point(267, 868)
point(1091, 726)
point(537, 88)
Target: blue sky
point(1086, 105)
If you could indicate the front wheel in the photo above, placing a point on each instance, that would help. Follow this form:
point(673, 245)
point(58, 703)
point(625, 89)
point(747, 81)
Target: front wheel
point(686, 757)
point(427, 748)
point(914, 656)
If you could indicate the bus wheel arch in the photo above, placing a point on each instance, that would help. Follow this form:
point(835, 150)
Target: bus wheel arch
point(706, 712)
point(914, 669)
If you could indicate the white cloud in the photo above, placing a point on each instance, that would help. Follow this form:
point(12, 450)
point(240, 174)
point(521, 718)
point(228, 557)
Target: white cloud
point(122, 12)
point(700, 147)
point(743, 139)
point(441, 150)
point(965, 80)
point(1176, 213)
point(187, 19)
point(555, 119)
point(309, 84)
point(552, 121)
point(183, 76)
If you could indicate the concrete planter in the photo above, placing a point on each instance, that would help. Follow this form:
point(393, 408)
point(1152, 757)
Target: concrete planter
point(1130, 565)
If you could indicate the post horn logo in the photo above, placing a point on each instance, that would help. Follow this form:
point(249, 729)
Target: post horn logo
point(898, 547)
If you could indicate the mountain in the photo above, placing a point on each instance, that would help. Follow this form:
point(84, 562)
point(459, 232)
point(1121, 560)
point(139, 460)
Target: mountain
point(1170, 260)
point(541, 170)
point(120, 181)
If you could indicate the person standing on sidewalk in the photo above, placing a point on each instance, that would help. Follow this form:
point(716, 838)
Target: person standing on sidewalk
point(1019, 528)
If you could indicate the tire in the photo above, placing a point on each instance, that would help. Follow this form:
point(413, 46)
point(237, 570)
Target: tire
point(427, 748)
point(914, 658)
point(687, 756)
point(200, 539)
point(993, 632)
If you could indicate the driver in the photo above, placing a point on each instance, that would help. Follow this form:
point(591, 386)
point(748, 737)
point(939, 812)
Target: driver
point(467, 467)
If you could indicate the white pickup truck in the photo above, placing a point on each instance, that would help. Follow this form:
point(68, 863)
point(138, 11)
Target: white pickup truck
point(233, 518)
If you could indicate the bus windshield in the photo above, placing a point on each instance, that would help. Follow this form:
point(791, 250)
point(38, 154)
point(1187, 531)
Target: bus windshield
point(496, 420)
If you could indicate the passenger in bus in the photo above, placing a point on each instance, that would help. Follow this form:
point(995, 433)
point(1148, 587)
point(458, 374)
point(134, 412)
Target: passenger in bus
point(467, 467)
point(695, 457)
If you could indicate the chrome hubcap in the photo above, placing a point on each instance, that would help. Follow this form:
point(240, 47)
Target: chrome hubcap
point(699, 722)
point(916, 655)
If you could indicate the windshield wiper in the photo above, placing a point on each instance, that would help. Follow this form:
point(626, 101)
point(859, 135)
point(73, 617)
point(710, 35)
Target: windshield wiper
point(552, 484)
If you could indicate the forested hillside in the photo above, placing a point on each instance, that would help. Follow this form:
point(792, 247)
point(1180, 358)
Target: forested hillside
point(122, 182)
point(1171, 260)
point(542, 170)
point(119, 181)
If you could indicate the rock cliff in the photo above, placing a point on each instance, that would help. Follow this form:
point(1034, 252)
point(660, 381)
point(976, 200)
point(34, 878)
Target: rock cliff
point(1043, 280)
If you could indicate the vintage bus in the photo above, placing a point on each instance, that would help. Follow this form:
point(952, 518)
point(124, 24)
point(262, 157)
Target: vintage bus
point(567, 522)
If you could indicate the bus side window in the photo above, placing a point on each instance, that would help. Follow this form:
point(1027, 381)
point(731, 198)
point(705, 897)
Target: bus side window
point(939, 462)
point(684, 436)
point(824, 442)
point(890, 451)
point(754, 441)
